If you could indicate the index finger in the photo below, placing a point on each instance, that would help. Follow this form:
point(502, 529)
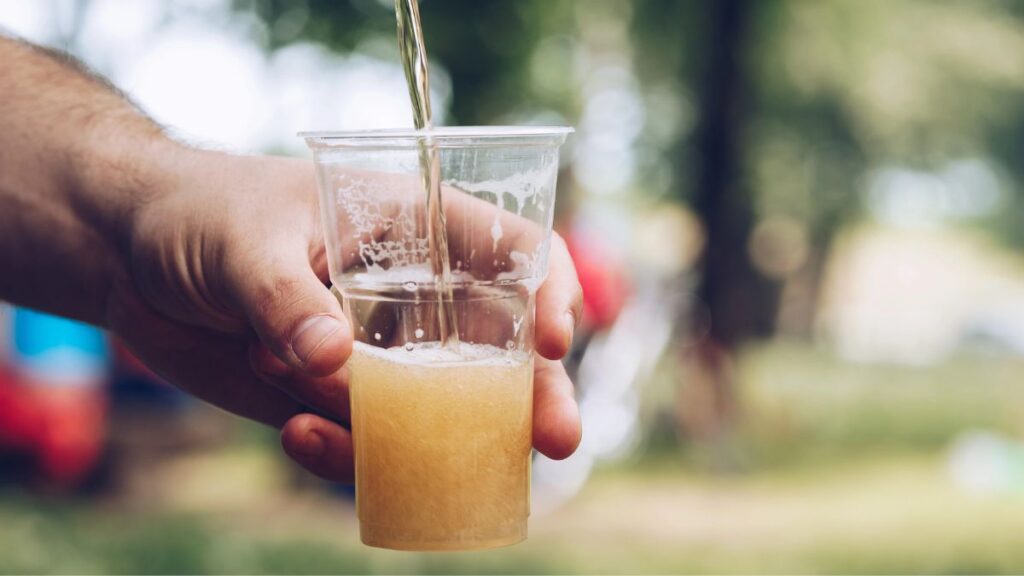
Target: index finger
point(559, 303)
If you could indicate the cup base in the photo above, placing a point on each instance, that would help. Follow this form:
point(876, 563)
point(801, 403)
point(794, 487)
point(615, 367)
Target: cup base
point(380, 536)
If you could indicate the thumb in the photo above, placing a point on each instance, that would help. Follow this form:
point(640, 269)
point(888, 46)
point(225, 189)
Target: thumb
point(292, 312)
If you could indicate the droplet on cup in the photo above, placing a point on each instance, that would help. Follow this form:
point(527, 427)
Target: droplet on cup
point(410, 286)
point(409, 346)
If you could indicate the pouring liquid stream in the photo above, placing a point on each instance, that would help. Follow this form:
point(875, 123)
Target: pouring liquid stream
point(414, 61)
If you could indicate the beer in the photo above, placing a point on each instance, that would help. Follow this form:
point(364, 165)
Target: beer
point(442, 437)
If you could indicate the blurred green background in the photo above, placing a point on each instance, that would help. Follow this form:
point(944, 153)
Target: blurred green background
point(799, 227)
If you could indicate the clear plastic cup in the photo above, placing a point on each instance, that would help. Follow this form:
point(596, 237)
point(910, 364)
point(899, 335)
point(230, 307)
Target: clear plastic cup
point(442, 434)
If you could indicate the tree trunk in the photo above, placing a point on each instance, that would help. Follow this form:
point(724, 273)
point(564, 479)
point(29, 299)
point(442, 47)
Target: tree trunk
point(740, 302)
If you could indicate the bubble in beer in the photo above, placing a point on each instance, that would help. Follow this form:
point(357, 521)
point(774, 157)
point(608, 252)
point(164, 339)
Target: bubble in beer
point(409, 346)
point(410, 286)
point(419, 332)
point(376, 336)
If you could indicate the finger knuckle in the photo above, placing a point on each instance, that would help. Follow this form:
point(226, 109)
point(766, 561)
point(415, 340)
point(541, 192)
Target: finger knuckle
point(278, 298)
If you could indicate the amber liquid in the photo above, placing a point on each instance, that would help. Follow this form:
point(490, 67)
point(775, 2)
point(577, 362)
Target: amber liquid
point(442, 437)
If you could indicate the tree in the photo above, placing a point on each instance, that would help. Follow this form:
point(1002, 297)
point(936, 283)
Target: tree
point(484, 46)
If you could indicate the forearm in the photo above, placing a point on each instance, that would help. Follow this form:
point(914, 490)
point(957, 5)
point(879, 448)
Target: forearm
point(71, 174)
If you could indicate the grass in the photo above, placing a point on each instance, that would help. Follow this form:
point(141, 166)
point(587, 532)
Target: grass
point(38, 537)
point(869, 516)
point(802, 404)
point(847, 475)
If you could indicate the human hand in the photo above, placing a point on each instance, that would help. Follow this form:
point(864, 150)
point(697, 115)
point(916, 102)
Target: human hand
point(227, 298)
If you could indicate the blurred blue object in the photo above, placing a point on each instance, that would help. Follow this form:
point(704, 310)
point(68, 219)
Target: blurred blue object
point(58, 351)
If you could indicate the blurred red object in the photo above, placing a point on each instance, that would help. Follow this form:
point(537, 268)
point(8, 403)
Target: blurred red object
point(602, 278)
point(62, 430)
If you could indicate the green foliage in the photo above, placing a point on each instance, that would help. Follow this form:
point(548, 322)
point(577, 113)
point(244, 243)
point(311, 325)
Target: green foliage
point(849, 86)
point(834, 89)
point(487, 48)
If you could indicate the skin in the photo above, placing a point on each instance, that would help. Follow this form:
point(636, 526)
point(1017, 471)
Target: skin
point(209, 266)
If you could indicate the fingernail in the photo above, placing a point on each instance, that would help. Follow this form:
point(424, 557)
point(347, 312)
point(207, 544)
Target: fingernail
point(570, 327)
point(311, 334)
point(312, 445)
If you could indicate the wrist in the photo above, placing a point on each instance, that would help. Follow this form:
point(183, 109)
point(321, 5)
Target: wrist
point(113, 172)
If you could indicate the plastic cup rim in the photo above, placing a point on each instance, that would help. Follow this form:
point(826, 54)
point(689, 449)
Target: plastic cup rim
point(439, 132)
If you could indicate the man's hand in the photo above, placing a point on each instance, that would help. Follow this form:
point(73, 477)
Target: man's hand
point(228, 298)
point(211, 267)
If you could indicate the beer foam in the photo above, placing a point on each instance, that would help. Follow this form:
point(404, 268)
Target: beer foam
point(419, 273)
point(372, 205)
point(416, 274)
point(522, 187)
point(435, 354)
